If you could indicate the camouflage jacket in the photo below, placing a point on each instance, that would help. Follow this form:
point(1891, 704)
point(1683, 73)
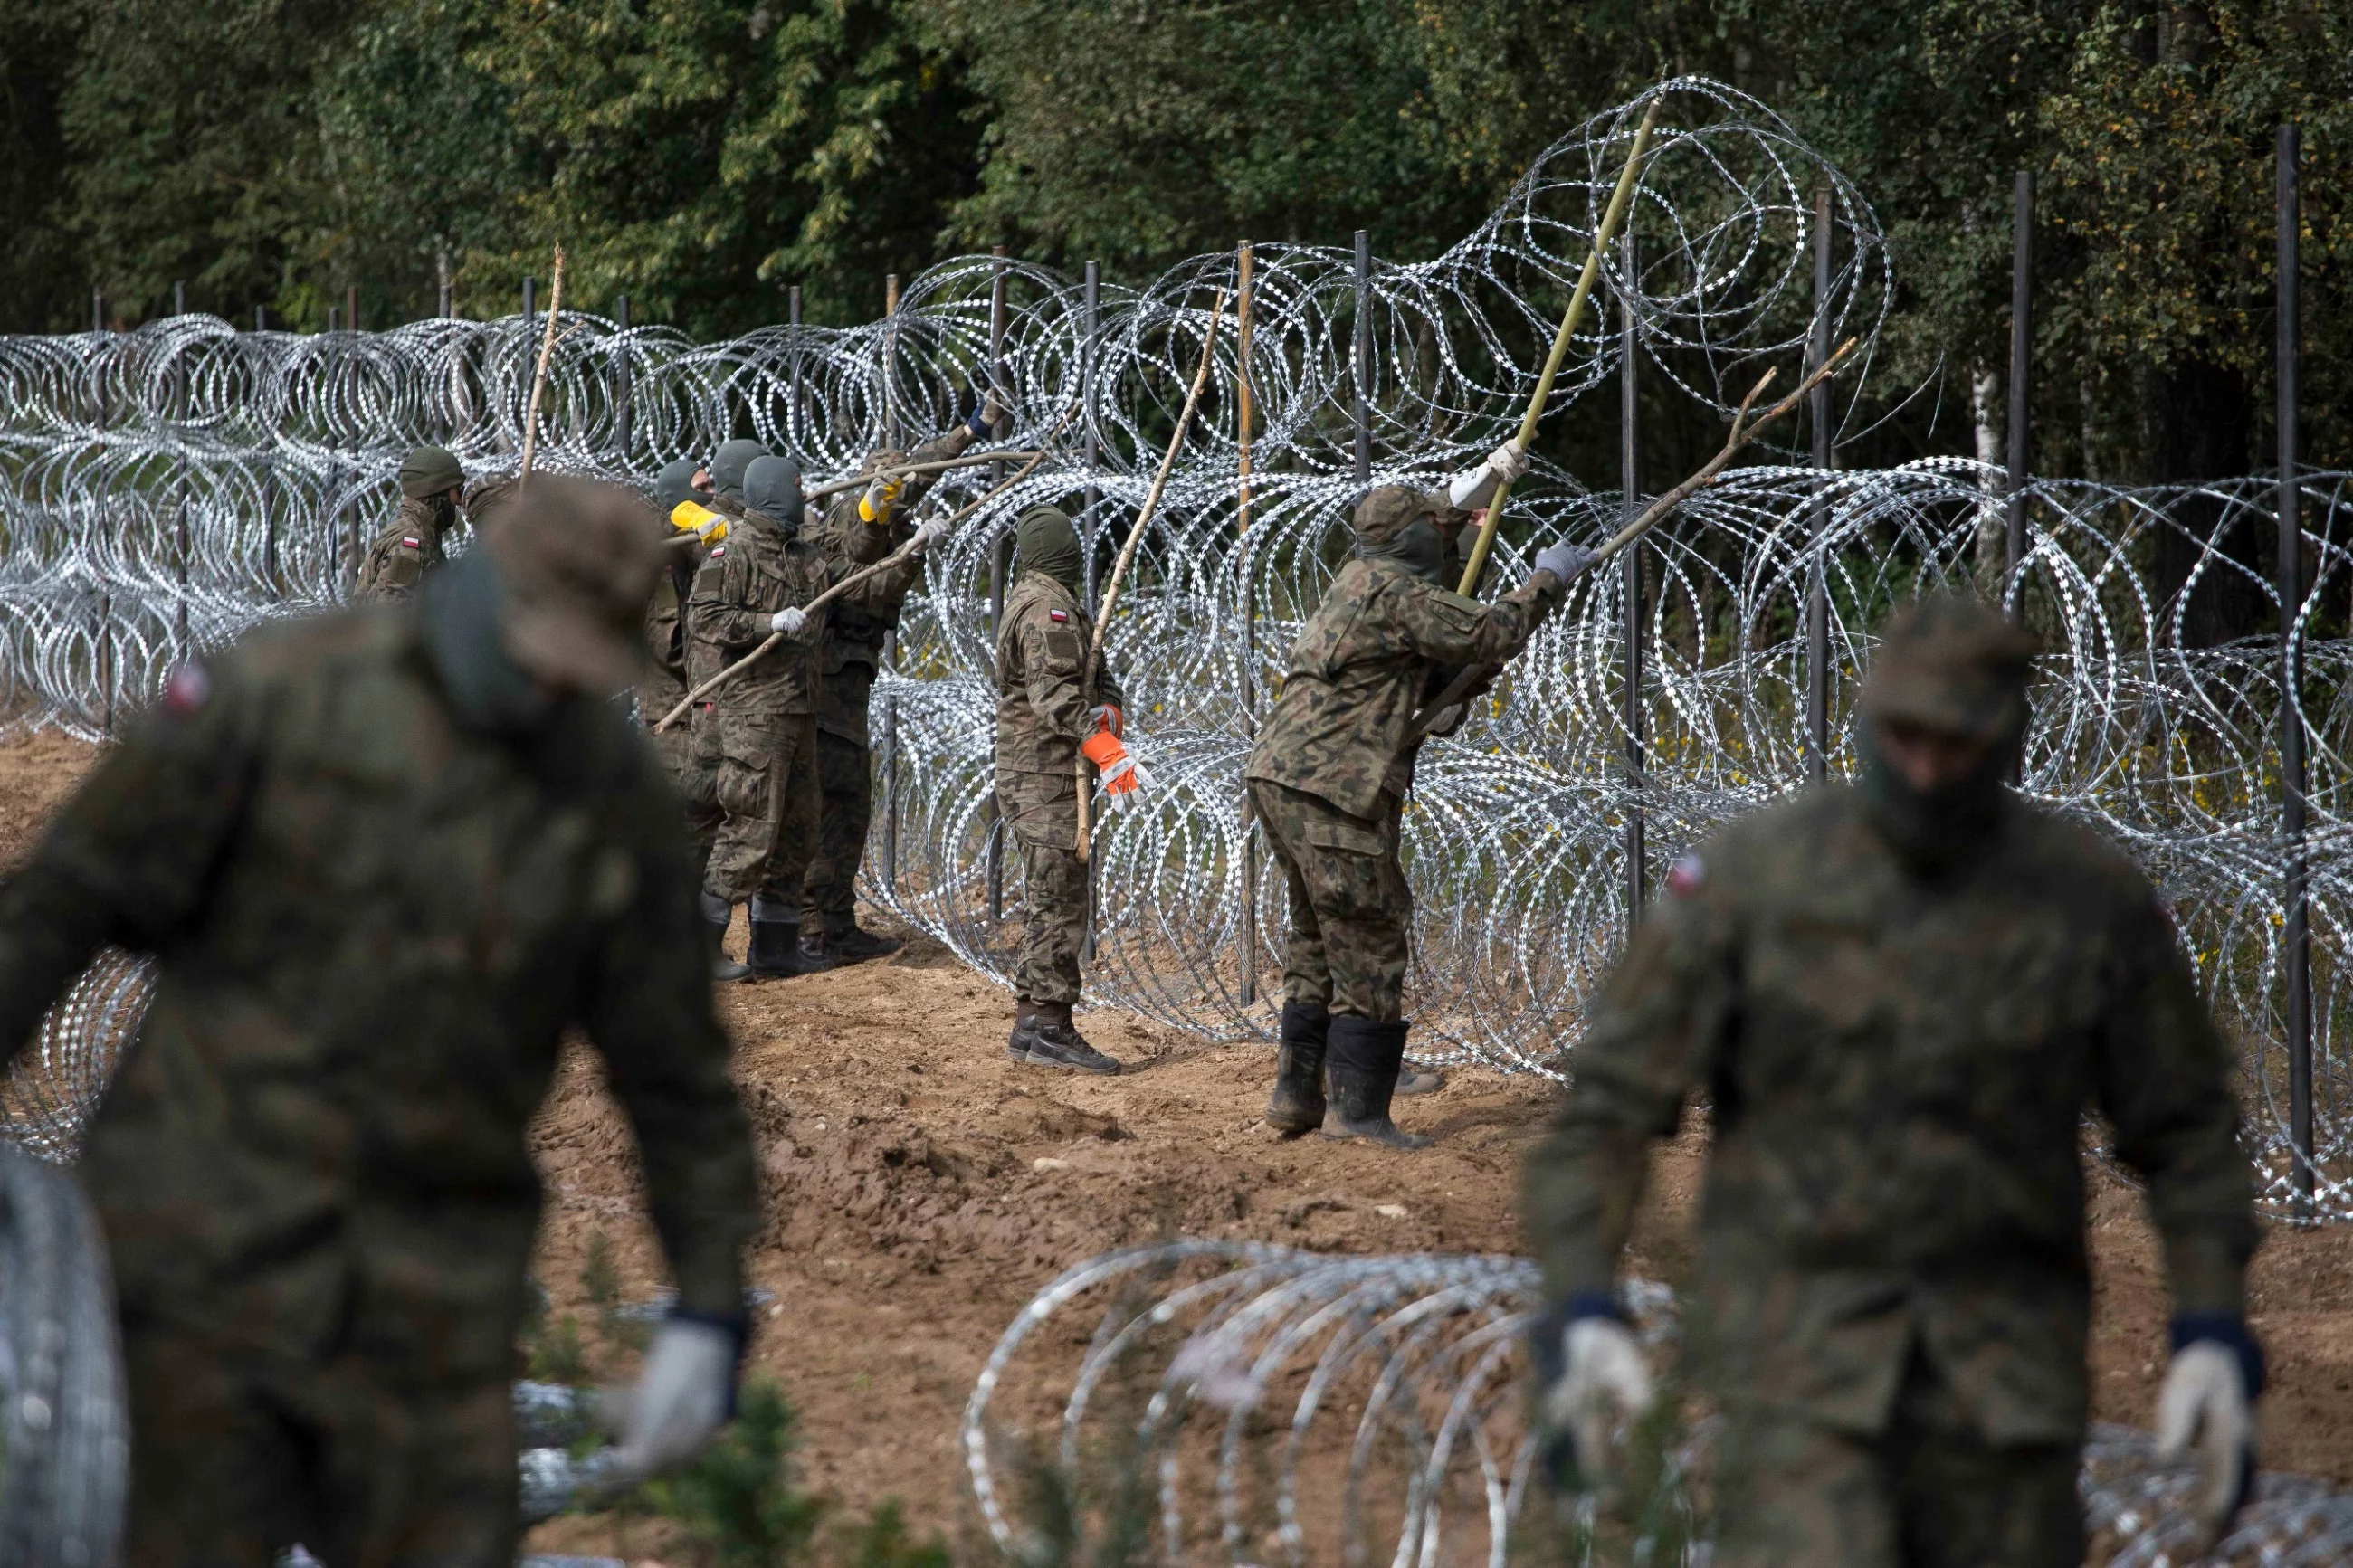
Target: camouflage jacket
point(861, 622)
point(745, 581)
point(1899, 1070)
point(373, 927)
point(663, 681)
point(1042, 702)
point(398, 558)
point(1361, 670)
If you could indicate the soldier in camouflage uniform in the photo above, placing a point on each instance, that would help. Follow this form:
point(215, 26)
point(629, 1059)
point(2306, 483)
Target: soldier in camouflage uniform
point(852, 652)
point(757, 733)
point(386, 859)
point(1049, 713)
point(662, 683)
point(413, 544)
point(1327, 783)
point(1900, 998)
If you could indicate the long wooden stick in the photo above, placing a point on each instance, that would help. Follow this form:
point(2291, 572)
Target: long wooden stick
point(970, 461)
point(1611, 219)
point(893, 559)
point(538, 376)
point(1127, 553)
point(1743, 430)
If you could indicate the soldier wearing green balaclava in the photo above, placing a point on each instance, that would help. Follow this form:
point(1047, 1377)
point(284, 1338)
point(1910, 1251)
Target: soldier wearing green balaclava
point(413, 544)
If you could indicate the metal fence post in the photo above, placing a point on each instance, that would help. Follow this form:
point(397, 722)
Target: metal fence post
point(2021, 355)
point(625, 414)
point(1362, 365)
point(2296, 935)
point(890, 794)
point(1630, 581)
point(1244, 281)
point(1093, 325)
point(1000, 562)
point(180, 298)
point(1818, 607)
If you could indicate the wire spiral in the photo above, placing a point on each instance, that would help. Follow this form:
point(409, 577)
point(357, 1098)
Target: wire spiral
point(173, 486)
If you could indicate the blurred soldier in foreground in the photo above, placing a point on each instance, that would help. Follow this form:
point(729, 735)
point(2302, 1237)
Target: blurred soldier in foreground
point(1327, 782)
point(1049, 712)
point(414, 544)
point(662, 682)
point(1900, 999)
point(757, 732)
point(852, 652)
point(385, 860)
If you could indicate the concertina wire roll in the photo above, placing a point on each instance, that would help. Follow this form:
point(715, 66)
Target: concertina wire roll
point(173, 484)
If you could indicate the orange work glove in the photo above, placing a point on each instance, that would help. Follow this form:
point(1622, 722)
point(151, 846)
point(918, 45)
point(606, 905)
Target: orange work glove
point(1121, 777)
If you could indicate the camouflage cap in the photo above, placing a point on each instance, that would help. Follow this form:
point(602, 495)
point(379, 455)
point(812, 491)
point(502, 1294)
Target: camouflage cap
point(578, 563)
point(429, 471)
point(1950, 662)
point(1389, 510)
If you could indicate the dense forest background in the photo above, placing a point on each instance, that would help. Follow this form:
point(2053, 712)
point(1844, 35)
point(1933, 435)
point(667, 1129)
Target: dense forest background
point(701, 156)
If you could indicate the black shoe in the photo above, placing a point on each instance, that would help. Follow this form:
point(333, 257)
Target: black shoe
point(1054, 1041)
point(776, 953)
point(1362, 1065)
point(1025, 1030)
point(1297, 1105)
point(845, 941)
point(716, 914)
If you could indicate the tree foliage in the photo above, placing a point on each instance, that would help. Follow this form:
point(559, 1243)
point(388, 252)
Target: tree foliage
point(703, 157)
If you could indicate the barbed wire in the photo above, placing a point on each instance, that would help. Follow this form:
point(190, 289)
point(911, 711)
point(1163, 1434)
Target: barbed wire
point(173, 484)
point(1286, 1406)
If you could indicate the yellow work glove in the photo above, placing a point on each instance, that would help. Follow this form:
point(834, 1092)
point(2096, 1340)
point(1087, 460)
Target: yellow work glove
point(880, 496)
point(694, 517)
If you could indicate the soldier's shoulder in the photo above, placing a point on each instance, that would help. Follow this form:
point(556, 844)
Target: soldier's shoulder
point(289, 651)
point(2075, 856)
point(1038, 598)
point(1756, 854)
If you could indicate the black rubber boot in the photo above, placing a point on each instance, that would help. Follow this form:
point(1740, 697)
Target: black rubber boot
point(775, 951)
point(1025, 1030)
point(716, 912)
point(846, 941)
point(1362, 1065)
point(1297, 1105)
point(1055, 1042)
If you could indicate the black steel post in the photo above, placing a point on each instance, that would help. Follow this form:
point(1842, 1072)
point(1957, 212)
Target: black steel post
point(180, 519)
point(1245, 284)
point(890, 357)
point(1362, 360)
point(529, 299)
point(98, 309)
point(1818, 604)
point(625, 409)
point(890, 793)
point(179, 299)
point(1093, 325)
point(1629, 566)
point(261, 318)
point(352, 306)
point(2296, 933)
point(1000, 564)
point(793, 320)
point(2021, 354)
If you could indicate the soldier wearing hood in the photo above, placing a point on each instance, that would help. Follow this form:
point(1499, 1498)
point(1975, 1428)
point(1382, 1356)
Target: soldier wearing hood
point(386, 861)
point(860, 623)
point(1050, 708)
point(415, 542)
point(756, 734)
point(662, 680)
point(1900, 998)
point(1327, 783)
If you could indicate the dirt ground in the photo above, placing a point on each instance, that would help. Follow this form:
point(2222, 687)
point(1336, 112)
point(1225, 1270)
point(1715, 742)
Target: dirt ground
point(921, 1188)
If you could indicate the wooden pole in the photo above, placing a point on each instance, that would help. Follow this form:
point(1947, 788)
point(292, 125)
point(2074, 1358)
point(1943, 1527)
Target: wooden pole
point(1610, 219)
point(539, 373)
point(1136, 537)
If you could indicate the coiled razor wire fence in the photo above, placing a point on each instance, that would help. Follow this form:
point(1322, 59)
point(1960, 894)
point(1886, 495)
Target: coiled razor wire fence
point(173, 484)
point(1231, 1402)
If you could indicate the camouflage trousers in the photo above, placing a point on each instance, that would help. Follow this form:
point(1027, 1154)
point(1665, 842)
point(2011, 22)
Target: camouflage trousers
point(1350, 907)
point(1929, 1492)
point(845, 779)
point(697, 785)
point(763, 767)
point(1041, 811)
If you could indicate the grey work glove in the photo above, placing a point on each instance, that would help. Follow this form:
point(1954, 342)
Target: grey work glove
point(1565, 562)
point(1604, 1384)
point(789, 621)
point(931, 532)
point(2205, 1411)
point(684, 1393)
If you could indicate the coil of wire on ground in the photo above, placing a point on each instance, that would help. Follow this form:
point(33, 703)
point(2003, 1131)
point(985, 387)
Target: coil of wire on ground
point(1237, 1403)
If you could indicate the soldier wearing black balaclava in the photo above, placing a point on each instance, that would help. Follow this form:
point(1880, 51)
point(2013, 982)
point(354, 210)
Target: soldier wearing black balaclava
point(663, 681)
point(1901, 997)
point(1327, 783)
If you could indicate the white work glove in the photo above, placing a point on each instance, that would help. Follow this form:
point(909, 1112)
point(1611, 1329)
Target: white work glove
point(681, 1399)
point(2204, 1410)
point(1505, 464)
point(1605, 1382)
point(931, 531)
point(1125, 782)
point(789, 621)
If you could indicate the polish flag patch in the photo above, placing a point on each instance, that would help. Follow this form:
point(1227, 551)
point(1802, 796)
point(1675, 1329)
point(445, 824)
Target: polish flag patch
point(1058, 614)
point(1688, 876)
point(716, 551)
point(414, 543)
